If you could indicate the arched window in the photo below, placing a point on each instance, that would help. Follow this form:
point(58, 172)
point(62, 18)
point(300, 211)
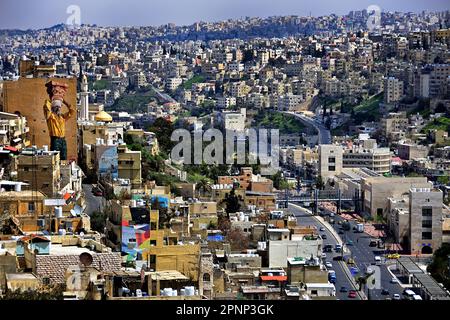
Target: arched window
point(206, 277)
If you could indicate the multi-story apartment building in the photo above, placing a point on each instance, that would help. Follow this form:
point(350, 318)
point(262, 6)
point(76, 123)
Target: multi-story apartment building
point(40, 169)
point(394, 123)
point(393, 90)
point(425, 207)
point(130, 165)
point(330, 160)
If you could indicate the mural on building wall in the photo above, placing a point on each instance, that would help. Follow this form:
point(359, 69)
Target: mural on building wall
point(107, 161)
point(135, 233)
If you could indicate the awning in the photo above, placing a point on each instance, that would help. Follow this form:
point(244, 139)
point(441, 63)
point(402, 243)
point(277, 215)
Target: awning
point(17, 140)
point(9, 148)
point(274, 278)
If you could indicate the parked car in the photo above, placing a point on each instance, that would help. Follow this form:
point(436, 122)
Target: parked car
point(324, 236)
point(352, 294)
point(341, 232)
point(344, 289)
point(98, 193)
point(377, 259)
point(397, 297)
point(322, 229)
point(349, 242)
point(328, 265)
point(324, 255)
point(385, 292)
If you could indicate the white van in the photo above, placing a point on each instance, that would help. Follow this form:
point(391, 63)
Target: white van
point(409, 293)
point(417, 297)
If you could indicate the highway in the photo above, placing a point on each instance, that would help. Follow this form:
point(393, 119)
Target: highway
point(364, 256)
point(342, 279)
point(323, 133)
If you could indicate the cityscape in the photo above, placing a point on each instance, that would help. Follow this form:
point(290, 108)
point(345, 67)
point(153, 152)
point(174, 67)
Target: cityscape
point(284, 157)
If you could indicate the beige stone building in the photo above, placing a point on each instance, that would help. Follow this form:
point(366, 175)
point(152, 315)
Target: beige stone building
point(394, 123)
point(41, 170)
point(376, 192)
point(330, 160)
point(425, 207)
point(130, 165)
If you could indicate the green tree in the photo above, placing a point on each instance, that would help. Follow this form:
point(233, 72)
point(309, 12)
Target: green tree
point(164, 129)
point(98, 221)
point(204, 186)
point(232, 202)
point(320, 184)
point(439, 267)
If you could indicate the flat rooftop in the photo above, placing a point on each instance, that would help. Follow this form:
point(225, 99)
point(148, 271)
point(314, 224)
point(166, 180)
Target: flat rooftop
point(60, 250)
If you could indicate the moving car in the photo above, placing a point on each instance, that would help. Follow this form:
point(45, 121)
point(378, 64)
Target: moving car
point(324, 236)
point(332, 276)
point(324, 255)
point(349, 242)
point(377, 259)
point(328, 265)
point(322, 229)
point(385, 292)
point(394, 280)
point(98, 193)
point(352, 294)
point(344, 289)
point(393, 256)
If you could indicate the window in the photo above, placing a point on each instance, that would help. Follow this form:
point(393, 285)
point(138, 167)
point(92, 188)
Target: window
point(31, 206)
point(331, 168)
point(426, 224)
point(427, 212)
point(426, 236)
point(206, 277)
point(332, 159)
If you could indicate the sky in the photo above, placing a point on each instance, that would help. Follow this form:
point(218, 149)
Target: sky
point(25, 14)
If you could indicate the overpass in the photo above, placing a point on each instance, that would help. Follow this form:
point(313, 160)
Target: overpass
point(316, 196)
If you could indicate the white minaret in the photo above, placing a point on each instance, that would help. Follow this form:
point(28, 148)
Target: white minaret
point(84, 110)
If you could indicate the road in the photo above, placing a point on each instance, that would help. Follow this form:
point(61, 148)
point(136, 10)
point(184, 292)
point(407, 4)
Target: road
point(341, 278)
point(323, 132)
point(93, 203)
point(364, 256)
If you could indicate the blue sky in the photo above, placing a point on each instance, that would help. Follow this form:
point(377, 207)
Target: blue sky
point(23, 14)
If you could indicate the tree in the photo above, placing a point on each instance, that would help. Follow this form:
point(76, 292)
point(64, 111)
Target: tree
point(164, 129)
point(232, 202)
point(439, 267)
point(238, 239)
point(44, 293)
point(320, 184)
point(444, 180)
point(204, 186)
point(98, 221)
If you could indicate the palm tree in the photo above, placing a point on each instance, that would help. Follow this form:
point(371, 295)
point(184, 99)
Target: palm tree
point(203, 185)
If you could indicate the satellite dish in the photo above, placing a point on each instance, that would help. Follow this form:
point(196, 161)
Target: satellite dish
point(86, 259)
